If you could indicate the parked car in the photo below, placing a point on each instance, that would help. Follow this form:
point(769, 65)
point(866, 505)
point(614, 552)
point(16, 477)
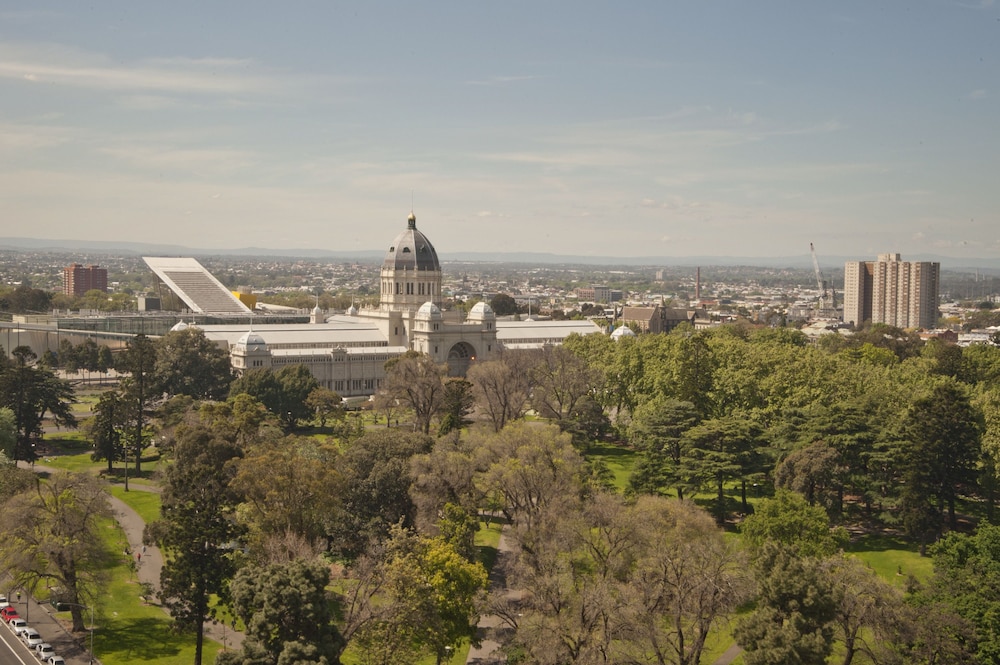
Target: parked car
point(44, 650)
point(31, 638)
point(55, 660)
point(3, 601)
point(18, 625)
point(8, 613)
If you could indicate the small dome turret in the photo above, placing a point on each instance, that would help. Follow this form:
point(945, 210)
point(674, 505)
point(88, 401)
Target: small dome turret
point(429, 311)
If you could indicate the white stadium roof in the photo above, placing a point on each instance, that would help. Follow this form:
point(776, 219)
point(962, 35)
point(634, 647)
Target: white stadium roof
point(197, 287)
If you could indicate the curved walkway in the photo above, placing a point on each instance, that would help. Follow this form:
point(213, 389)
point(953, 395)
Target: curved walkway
point(149, 559)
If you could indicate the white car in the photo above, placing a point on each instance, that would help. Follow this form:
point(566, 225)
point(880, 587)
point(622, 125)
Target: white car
point(17, 625)
point(44, 650)
point(31, 638)
point(3, 601)
point(55, 660)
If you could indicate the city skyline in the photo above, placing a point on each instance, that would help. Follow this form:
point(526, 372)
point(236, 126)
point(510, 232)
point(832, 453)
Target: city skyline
point(720, 129)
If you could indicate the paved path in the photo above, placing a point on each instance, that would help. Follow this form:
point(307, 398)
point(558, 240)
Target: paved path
point(729, 656)
point(488, 652)
point(150, 563)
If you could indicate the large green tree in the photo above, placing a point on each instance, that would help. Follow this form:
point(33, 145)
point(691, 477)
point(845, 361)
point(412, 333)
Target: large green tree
point(196, 528)
point(188, 363)
point(105, 428)
point(138, 361)
point(284, 392)
point(288, 614)
point(377, 475)
point(31, 392)
point(943, 431)
point(52, 534)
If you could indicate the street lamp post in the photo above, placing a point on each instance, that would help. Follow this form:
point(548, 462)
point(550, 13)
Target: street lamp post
point(91, 627)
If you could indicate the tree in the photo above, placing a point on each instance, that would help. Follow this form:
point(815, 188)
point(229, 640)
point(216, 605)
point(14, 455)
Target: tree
point(793, 621)
point(287, 613)
point(528, 469)
point(8, 432)
point(188, 363)
point(302, 496)
point(561, 380)
point(105, 428)
point(284, 392)
point(503, 305)
point(31, 392)
point(434, 590)
point(52, 535)
point(139, 361)
point(657, 431)
point(620, 582)
point(943, 430)
point(501, 388)
point(867, 608)
point(966, 578)
point(456, 405)
point(325, 403)
point(720, 450)
point(415, 381)
point(196, 526)
point(788, 520)
point(377, 478)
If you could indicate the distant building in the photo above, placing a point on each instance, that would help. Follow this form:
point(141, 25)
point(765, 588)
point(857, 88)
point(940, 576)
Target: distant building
point(598, 293)
point(78, 279)
point(347, 352)
point(899, 293)
point(656, 319)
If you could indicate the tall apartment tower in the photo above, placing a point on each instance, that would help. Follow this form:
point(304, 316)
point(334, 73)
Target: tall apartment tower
point(899, 293)
point(78, 279)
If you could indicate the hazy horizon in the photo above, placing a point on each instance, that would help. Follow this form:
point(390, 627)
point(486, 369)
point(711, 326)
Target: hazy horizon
point(582, 129)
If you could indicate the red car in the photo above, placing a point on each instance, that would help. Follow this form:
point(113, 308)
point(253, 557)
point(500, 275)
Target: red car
point(8, 613)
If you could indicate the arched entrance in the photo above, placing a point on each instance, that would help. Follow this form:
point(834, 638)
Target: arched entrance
point(459, 358)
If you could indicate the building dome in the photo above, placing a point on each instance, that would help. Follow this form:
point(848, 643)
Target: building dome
point(251, 341)
point(622, 331)
point(481, 310)
point(180, 325)
point(411, 250)
point(429, 311)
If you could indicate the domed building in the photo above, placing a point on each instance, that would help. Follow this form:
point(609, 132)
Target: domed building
point(409, 309)
point(347, 352)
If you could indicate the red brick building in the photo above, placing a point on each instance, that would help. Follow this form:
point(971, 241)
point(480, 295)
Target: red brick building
point(78, 279)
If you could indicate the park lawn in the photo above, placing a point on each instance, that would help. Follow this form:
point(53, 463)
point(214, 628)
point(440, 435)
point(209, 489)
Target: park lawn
point(618, 459)
point(146, 504)
point(130, 631)
point(892, 558)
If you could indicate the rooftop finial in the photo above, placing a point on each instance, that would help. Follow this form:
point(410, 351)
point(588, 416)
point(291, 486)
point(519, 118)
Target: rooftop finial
point(411, 221)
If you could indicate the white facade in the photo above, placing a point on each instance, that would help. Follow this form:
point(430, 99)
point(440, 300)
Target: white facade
point(347, 353)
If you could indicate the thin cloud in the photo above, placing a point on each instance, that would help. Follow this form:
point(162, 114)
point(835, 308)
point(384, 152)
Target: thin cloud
point(980, 93)
point(501, 80)
point(57, 65)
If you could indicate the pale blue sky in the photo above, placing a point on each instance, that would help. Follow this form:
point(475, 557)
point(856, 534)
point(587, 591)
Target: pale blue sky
point(647, 128)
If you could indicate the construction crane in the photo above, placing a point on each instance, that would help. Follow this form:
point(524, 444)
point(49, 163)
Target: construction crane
point(827, 295)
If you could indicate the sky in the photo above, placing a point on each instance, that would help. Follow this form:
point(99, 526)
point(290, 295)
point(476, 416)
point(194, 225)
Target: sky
point(664, 128)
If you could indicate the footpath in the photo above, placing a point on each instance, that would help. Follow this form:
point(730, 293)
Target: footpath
point(149, 564)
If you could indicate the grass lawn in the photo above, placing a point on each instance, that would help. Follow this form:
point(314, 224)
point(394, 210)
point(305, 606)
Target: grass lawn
point(892, 558)
point(130, 631)
point(618, 459)
point(146, 504)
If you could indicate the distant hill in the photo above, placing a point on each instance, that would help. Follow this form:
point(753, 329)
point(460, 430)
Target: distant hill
point(802, 261)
